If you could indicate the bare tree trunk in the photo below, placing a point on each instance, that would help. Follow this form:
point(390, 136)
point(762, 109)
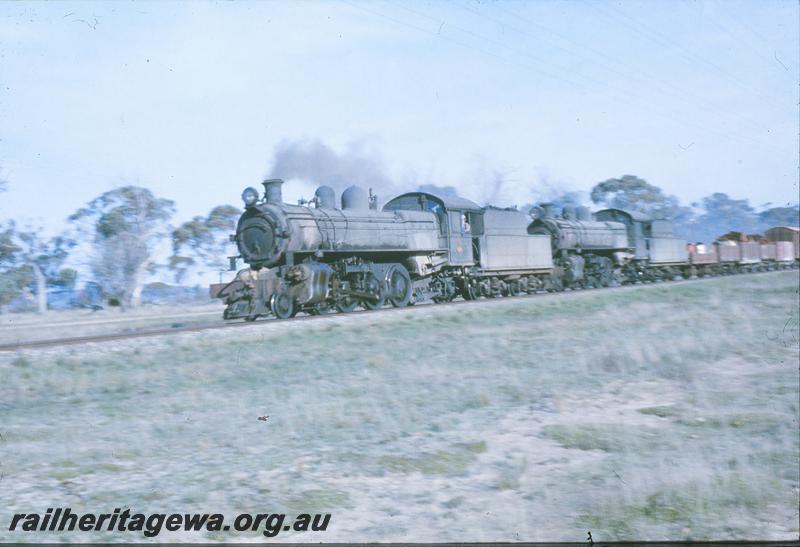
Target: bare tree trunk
point(136, 295)
point(41, 289)
point(137, 285)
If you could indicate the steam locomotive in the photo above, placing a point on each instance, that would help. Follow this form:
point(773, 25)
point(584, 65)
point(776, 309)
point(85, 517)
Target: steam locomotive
point(314, 257)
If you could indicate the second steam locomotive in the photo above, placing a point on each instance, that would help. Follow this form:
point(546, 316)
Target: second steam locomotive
point(423, 246)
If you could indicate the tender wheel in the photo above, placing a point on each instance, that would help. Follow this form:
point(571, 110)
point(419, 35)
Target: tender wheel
point(399, 286)
point(378, 290)
point(282, 305)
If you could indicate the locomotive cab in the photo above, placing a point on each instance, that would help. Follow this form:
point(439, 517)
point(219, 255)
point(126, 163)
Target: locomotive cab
point(636, 224)
point(652, 239)
point(460, 223)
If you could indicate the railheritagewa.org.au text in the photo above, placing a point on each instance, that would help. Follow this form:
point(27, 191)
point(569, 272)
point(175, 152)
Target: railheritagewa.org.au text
point(63, 519)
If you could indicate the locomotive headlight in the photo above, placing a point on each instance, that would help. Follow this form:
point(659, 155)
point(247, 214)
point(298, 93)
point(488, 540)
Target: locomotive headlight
point(249, 196)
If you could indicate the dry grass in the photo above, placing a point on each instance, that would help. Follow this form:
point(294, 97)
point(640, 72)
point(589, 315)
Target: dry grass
point(660, 412)
point(56, 324)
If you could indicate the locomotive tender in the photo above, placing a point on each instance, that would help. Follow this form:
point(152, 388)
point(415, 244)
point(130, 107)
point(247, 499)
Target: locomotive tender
point(422, 246)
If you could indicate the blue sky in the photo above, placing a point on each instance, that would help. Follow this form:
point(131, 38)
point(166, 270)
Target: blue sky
point(191, 99)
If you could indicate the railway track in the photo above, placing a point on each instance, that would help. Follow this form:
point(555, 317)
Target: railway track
point(55, 342)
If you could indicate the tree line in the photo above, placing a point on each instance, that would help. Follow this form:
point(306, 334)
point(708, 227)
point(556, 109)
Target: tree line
point(118, 238)
point(702, 221)
point(122, 236)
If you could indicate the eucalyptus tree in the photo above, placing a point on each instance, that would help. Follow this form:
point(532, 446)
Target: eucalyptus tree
point(126, 227)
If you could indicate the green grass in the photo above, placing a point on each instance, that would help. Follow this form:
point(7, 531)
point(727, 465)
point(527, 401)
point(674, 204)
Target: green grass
point(441, 462)
point(658, 412)
point(608, 438)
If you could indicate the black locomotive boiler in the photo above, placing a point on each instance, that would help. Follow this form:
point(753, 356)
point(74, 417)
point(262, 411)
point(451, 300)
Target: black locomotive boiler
point(316, 257)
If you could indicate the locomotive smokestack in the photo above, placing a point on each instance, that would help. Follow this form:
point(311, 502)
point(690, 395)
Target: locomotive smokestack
point(272, 190)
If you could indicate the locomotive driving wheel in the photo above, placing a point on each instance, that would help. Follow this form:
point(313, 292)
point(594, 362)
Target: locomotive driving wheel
point(319, 309)
point(556, 284)
point(282, 305)
point(345, 303)
point(377, 289)
point(470, 288)
point(399, 286)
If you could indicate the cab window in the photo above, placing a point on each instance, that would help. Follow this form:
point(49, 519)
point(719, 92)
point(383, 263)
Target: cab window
point(476, 223)
point(459, 223)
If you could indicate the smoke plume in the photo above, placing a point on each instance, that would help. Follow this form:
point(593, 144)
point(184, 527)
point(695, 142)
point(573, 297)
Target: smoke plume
point(316, 163)
point(309, 163)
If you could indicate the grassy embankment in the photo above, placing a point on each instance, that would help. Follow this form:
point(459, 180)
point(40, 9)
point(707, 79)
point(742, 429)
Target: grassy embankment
point(659, 412)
